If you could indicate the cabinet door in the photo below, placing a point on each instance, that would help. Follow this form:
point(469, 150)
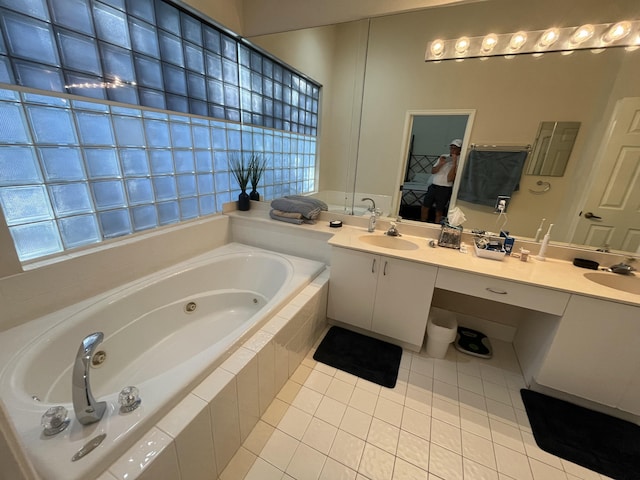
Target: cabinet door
point(630, 401)
point(403, 299)
point(595, 351)
point(352, 286)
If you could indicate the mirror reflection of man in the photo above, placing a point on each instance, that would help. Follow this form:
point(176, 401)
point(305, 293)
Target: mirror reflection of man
point(444, 173)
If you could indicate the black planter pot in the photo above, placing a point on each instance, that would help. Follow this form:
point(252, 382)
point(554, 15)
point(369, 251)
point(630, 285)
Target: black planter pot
point(244, 201)
point(254, 195)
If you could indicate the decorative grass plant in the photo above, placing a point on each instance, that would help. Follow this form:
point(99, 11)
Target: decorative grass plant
point(257, 165)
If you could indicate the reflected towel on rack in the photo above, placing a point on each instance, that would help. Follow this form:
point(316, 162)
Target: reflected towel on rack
point(488, 174)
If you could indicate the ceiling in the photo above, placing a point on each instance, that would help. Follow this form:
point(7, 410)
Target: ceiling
point(261, 17)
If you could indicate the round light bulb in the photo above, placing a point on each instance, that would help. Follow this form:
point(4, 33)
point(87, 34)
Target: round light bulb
point(548, 38)
point(582, 34)
point(462, 45)
point(489, 42)
point(437, 47)
point(617, 32)
point(517, 40)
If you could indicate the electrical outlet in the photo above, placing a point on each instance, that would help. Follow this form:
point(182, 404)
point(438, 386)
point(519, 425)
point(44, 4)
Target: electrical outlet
point(502, 202)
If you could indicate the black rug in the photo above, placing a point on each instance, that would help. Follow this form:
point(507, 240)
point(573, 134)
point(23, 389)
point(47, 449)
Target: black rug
point(599, 442)
point(363, 356)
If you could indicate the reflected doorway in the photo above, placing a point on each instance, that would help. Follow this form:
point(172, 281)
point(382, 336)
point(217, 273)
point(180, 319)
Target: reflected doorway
point(428, 135)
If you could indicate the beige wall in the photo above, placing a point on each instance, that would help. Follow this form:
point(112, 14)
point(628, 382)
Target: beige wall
point(227, 13)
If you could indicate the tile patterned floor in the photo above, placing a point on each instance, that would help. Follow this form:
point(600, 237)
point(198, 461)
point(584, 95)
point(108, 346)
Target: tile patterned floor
point(456, 418)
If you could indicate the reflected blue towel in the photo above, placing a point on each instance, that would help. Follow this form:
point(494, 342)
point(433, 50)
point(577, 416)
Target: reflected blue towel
point(488, 174)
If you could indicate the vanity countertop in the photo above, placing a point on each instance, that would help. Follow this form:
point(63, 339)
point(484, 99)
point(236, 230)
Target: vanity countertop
point(550, 273)
point(554, 273)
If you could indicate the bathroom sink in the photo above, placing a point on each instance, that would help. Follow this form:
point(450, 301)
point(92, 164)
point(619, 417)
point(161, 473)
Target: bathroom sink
point(394, 243)
point(625, 283)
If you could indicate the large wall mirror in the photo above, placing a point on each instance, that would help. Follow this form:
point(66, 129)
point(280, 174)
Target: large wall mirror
point(373, 73)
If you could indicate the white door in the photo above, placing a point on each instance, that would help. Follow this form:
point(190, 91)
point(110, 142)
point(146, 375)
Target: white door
point(615, 196)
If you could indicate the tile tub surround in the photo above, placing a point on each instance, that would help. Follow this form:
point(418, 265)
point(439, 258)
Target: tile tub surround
point(198, 438)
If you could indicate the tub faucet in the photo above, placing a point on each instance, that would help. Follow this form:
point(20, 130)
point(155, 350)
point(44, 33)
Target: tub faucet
point(372, 208)
point(84, 405)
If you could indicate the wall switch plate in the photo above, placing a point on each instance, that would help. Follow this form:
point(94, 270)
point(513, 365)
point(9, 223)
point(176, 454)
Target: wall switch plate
point(502, 202)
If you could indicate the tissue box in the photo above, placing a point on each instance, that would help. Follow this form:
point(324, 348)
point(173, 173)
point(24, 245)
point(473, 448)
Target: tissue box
point(491, 254)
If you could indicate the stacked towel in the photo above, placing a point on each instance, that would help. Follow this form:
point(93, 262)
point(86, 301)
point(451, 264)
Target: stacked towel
point(310, 200)
point(295, 218)
point(296, 209)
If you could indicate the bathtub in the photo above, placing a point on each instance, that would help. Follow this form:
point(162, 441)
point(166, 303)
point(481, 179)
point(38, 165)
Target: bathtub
point(162, 334)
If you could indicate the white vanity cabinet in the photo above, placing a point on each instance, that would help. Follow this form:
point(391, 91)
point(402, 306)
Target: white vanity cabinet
point(595, 354)
point(384, 295)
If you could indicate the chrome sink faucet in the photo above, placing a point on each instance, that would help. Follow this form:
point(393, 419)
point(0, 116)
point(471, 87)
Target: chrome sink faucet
point(84, 405)
point(393, 230)
point(373, 220)
point(623, 268)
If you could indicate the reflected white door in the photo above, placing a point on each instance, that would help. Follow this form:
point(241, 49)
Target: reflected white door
point(615, 195)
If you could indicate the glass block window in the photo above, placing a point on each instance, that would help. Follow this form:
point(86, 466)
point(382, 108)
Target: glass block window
point(74, 172)
point(158, 55)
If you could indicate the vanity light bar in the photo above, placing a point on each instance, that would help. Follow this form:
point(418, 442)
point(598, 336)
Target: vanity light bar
point(595, 37)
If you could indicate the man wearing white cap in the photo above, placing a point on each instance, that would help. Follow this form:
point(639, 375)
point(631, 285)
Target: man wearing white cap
point(444, 173)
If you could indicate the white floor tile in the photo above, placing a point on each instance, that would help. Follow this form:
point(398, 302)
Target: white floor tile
point(306, 463)
point(478, 449)
point(376, 463)
point(295, 422)
point(383, 435)
point(446, 419)
point(477, 471)
point(414, 450)
point(512, 463)
point(320, 435)
point(331, 411)
point(406, 471)
point(279, 449)
point(347, 449)
point(307, 400)
point(333, 470)
point(356, 423)
point(446, 435)
point(416, 423)
point(262, 470)
point(542, 471)
point(388, 411)
point(445, 463)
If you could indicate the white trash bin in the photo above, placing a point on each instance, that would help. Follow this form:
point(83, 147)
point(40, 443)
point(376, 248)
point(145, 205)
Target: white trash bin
point(442, 328)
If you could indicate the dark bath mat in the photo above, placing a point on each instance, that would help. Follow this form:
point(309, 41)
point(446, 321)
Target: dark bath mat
point(599, 442)
point(363, 356)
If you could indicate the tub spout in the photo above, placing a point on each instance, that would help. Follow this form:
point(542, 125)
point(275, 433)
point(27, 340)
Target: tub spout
point(84, 405)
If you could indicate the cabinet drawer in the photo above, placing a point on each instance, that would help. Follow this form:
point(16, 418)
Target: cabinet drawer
point(503, 291)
